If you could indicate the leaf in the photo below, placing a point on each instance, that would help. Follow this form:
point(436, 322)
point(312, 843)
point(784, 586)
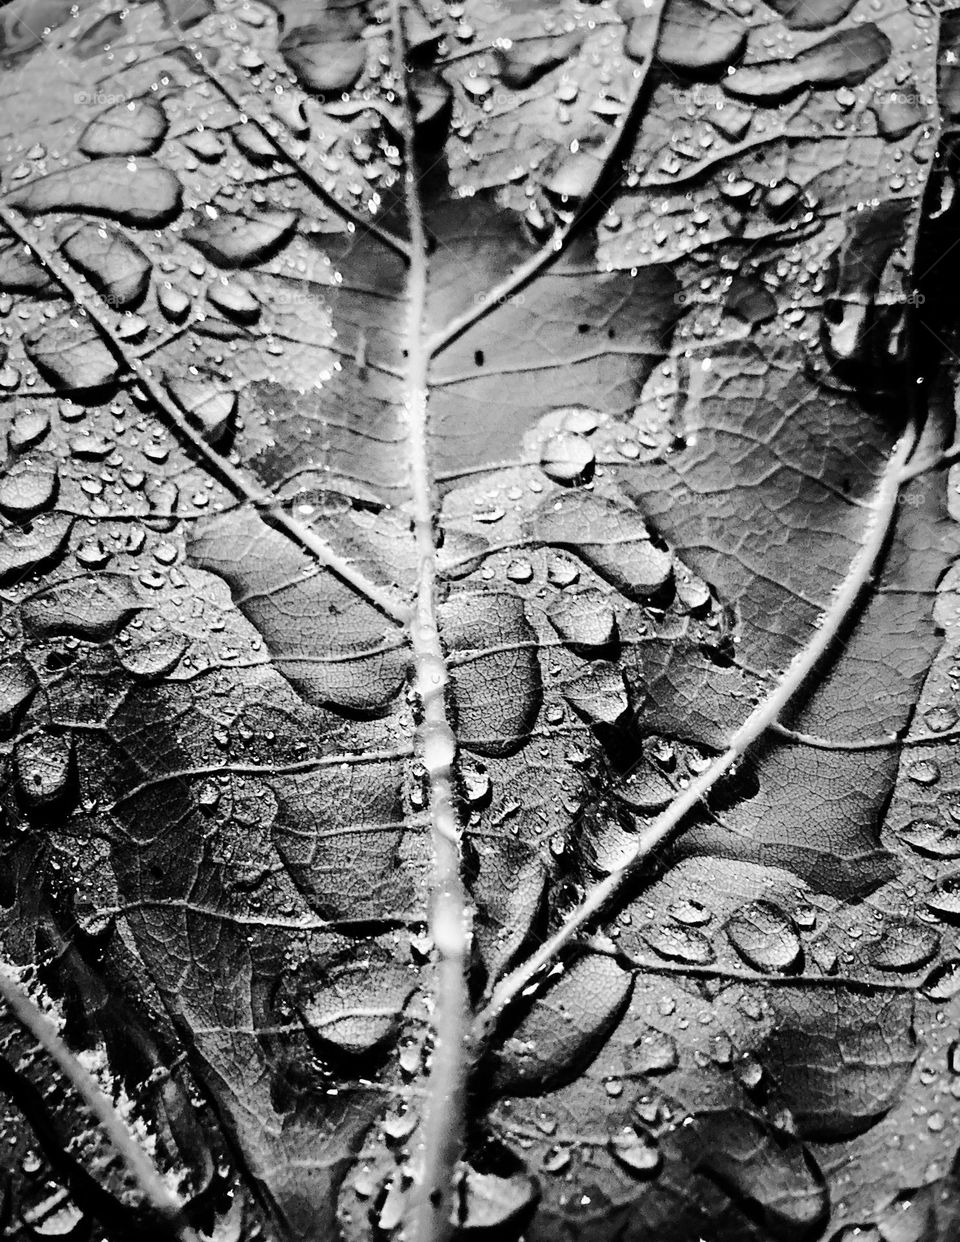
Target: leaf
point(478, 546)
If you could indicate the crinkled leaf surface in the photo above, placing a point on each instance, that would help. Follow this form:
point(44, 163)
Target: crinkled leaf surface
point(478, 700)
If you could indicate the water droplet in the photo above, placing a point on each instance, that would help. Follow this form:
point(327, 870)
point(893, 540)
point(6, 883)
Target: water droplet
point(904, 944)
point(520, 571)
point(556, 1160)
point(490, 1203)
point(209, 405)
point(242, 239)
point(765, 937)
point(235, 300)
point(44, 766)
point(945, 899)
point(585, 621)
point(690, 912)
point(940, 718)
point(137, 127)
point(844, 58)
point(91, 607)
point(567, 458)
point(654, 1053)
point(599, 695)
point(943, 982)
point(562, 572)
point(923, 771)
point(696, 39)
point(580, 521)
point(476, 784)
point(28, 428)
point(92, 554)
point(29, 486)
point(679, 942)
point(205, 144)
point(928, 837)
point(142, 193)
point(70, 352)
point(636, 1151)
point(116, 267)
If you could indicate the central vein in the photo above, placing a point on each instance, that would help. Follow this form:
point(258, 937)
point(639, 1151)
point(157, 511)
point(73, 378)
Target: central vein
point(441, 1132)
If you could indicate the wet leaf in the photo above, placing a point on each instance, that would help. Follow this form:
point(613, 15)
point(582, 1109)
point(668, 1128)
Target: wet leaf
point(478, 711)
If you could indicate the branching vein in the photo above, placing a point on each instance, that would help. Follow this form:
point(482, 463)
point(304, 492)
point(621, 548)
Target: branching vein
point(672, 821)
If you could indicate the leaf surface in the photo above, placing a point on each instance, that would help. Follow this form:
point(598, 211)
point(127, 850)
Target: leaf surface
point(478, 715)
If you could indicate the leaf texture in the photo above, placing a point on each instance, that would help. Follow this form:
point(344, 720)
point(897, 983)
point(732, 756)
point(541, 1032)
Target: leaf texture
point(477, 541)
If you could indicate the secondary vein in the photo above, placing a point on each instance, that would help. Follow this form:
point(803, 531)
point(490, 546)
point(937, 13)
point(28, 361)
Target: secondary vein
point(761, 720)
point(155, 1191)
point(237, 480)
point(558, 244)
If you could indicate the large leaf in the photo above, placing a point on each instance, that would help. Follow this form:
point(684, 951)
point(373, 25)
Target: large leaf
point(478, 710)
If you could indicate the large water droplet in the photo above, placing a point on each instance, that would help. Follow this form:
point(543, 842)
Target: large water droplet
point(141, 193)
point(234, 300)
point(206, 145)
point(765, 937)
point(943, 982)
point(490, 1202)
point(136, 127)
point(41, 543)
point(117, 269)
point(812, 14)
point(567, 458)
point(904, 944)
point(44, 766)
point(585, 621)
point(28, 429)
point(242, 239)
point(696, 38)
point(326, 53)
point(945, 899)
point(929, 837)
point(70, 352)
point(29, 486)
point(91, 606)
point(679, 943)
point(599, 695)
point(844, 58)
point(208, 404)
point(18, 684)
point(654, 1053)
point(636, 1151)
